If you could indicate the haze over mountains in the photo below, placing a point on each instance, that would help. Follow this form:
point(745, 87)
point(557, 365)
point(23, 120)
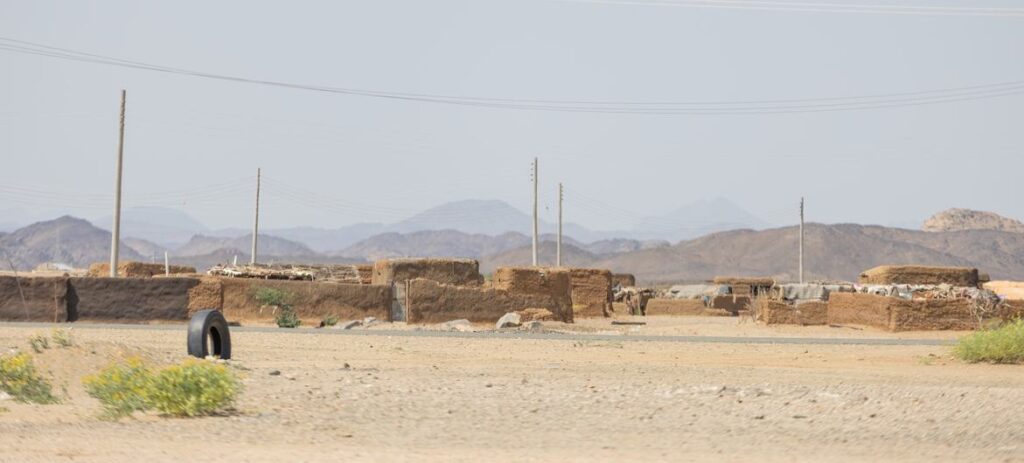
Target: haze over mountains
point(838, 251)
point(172, 228)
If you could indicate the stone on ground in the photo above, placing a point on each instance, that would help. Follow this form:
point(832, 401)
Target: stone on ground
point(457, 325)
point(509, 320)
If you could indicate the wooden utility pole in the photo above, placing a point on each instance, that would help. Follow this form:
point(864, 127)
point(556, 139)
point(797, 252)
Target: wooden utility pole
point(115, 232)
point(256, 222)
point(534, 212)
point(558, 245)
point(801, 240)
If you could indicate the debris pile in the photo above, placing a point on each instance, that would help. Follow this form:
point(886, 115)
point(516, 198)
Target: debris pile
point(323, 273)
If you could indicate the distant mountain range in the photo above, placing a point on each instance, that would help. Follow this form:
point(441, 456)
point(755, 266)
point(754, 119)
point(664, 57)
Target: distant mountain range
point(171, 228)
point(838, 251)
point(966, 219)
point(63, 240)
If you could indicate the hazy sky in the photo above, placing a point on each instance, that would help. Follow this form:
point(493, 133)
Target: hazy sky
point(331, 159)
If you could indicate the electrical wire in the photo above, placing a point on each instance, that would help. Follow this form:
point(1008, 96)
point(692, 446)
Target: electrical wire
point(817, 7)
point(776, 106)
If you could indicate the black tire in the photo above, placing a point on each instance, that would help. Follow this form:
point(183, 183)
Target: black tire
point(209, 325)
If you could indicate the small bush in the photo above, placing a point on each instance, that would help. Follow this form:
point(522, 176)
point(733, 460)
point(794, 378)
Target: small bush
point(62, 338)
point(194, 388)
point(278, 299)
point(329, 320)
point(19, 378)
point(122, 388)
point(1001, 345)
point(39, 342)
point(271, 296)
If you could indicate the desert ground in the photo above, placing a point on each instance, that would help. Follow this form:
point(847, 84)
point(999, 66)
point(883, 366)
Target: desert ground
point(593, 392)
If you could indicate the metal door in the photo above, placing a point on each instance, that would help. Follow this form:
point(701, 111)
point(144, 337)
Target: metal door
point(399, 300)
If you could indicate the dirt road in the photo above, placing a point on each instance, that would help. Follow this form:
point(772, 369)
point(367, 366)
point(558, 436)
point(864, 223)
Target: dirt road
point(398, 398)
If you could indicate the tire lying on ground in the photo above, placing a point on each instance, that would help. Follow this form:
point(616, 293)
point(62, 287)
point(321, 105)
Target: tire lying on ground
point(208, 335)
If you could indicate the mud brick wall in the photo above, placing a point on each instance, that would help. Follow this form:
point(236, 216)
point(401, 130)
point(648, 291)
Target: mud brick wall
point(777, 313)
point(733, 303)
point(919, 275)
point(623, 279)
point(137, 270)
point(808, 313)
point(553, 283)
point(432, 302)
point(680, 307)
point(45, 299)
point(591, 292)
point(447, 271)
point(129, 299)
point(895, 314)
point(859, 309)
point(934, 314)
point(813, 312)
point(208, 294)
point(365, 273)
point(312, 301)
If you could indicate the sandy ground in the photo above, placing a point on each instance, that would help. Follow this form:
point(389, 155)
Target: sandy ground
point(390, 398)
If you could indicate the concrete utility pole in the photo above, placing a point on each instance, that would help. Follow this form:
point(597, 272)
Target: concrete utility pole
point(558, 248)
point(801, 239)
point(256, 223)
point(115, 232)
point(534, 212)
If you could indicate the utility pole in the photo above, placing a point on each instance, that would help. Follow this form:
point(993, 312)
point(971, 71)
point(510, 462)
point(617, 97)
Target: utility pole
point(801, 239)
point(534, 212)
point(558, 248)
point(256, 223)
point(115, 232)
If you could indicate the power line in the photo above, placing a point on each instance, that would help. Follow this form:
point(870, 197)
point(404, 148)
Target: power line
point(776, 106)
point(816, 7)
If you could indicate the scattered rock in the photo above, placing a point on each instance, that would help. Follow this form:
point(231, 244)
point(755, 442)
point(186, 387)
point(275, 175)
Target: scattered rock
point(533, 325)
point(509, 320)
point(457, 325)
point(275, 373)
point(543, 315)
point(370, 321)
point(348, 325)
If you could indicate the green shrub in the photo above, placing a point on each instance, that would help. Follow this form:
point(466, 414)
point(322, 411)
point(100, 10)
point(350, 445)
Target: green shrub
point(284, 312)
point(329, 320)
point(39, 342)
point(19, 379)
point(271, 296)
point(1000, 345)
point(122, 388)
point(62, 338)
point(194, 388)
point(286, 318)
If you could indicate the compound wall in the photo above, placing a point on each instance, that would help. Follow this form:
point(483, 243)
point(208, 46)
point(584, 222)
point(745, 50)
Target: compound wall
point(896, 314)
point(432, 302)
point(591, 292)
point(919, 275)
point(311, 301)
point(45, 299)
point(129, 299)
point(137, 270)
point(447, 271)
